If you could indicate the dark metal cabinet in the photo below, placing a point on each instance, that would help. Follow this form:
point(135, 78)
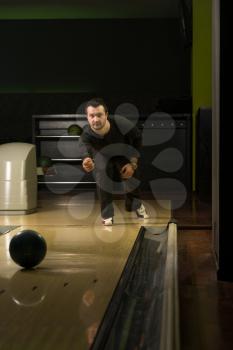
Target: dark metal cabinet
point(166, 160)
point(50, 135)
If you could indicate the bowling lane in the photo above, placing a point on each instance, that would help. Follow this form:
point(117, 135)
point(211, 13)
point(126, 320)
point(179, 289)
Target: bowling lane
point(84, 209)
point(60, 304)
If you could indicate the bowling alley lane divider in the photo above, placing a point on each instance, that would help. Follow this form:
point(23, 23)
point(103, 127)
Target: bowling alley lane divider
point(144, 310)
point(6, 229)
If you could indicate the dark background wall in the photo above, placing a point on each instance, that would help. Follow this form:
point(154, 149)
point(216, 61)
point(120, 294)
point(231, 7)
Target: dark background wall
point(89, 55)
point(52, 66)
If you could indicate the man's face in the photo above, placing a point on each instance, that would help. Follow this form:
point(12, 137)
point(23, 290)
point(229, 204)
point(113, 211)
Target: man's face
point(96, 117)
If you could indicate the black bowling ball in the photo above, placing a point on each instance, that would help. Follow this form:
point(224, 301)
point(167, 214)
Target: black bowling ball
point(27, 248)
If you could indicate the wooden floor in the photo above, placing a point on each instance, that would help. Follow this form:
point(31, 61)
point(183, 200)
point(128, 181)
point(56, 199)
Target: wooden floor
point(206, 305)
point(61, 303)
point(82, 209)
point(194, 213)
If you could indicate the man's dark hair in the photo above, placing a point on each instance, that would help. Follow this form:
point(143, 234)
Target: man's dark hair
point(96, 102)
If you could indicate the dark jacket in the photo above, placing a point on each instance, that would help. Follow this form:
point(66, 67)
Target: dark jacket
point(123, 139)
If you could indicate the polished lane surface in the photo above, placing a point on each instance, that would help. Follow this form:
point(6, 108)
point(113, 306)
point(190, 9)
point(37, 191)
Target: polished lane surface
point(60, 304)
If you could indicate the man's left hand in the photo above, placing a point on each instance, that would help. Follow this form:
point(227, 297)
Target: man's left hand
point(127, 171)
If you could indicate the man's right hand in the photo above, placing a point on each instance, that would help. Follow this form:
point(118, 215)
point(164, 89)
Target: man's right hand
point(88, 164)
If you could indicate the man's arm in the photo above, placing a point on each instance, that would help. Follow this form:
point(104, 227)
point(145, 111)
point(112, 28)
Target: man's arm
point(135, 140)
point(85, 151)
point(132, 135)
